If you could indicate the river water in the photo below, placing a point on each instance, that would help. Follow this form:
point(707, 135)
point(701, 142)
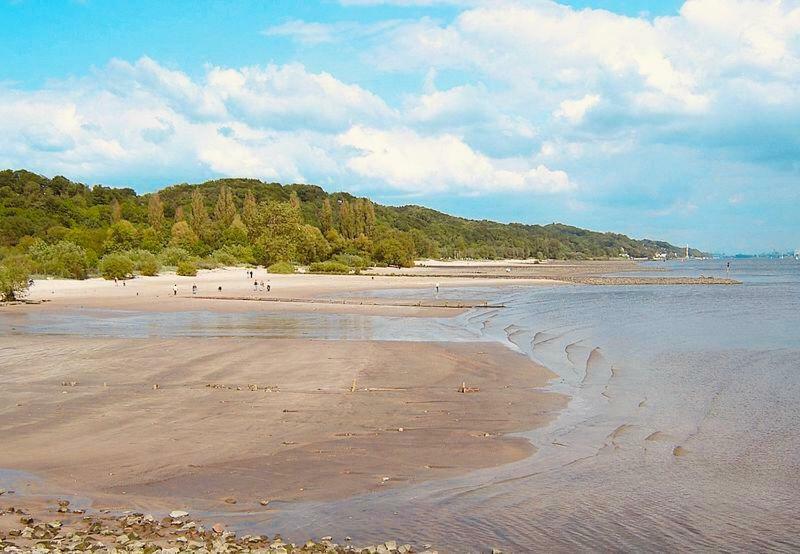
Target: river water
point(681, 431)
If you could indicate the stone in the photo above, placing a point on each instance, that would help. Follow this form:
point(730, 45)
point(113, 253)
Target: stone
point(175, 514)
point(218, 528)
point(230, 501)
point(263, 502)
point(390, 545)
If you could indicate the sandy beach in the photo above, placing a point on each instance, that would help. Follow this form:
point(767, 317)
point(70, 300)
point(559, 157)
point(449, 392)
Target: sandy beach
point(245, 424)
point(297, 292)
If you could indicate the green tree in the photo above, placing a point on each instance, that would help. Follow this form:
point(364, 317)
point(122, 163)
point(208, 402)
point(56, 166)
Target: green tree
point(326, 216)
point(280, 232)
point(116, 211)
point(200, 220)
point(346, 223)
point(182, 236)
point(312, 247)
point(236, 233)
point(121, 235)
point(155, 211)
point(249, 210)
point(396, 249)
point(14, 276)
point(225, 208)
point(152, 239)
point(294, 200)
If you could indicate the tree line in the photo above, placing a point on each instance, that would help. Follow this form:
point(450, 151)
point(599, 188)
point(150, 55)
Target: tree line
point(67, 229)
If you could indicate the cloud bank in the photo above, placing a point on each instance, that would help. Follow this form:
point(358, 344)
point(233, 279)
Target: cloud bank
point(513, 97)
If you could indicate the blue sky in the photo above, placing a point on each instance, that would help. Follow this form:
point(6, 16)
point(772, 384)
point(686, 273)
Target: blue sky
point(667, 119)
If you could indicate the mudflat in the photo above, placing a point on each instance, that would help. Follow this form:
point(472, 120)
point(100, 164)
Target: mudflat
point(228, 423)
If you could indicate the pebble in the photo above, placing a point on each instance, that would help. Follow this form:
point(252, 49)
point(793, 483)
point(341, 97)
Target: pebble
point(136, 532)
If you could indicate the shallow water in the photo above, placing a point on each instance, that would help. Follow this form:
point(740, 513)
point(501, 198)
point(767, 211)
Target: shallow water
point(681, 431)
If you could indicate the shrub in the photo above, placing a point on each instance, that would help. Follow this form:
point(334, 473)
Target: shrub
point(186, 268)
point(14, 275)
point(148, 265)
point(172, 256)
point(62, 259)
point(328, 267)
point(281, 267)
point(115, 266)
point(352, 260)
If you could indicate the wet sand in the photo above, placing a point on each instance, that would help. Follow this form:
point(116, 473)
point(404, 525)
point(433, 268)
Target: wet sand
point(223, 424)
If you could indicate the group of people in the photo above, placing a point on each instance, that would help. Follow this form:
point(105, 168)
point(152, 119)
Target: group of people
point(257, 285)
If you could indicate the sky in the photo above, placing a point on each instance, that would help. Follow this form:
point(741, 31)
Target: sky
point(667, 119)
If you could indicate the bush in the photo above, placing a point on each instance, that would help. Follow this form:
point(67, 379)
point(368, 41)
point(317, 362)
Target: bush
point(352, 260)
point(172, 256)
point(186, 268)
point(328, 267)
point(233, 254)
point(148, 265)
point(281, 267)
point(14, 275)
point(115, 266)
point(62, 259)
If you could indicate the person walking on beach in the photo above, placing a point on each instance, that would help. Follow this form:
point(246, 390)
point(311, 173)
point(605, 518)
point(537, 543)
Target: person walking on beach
point(255, 286)
point(175, 289)
point(437, 289)
point(728, 268)
point(194, 289)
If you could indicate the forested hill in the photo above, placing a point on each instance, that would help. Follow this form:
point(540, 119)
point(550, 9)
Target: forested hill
point(259, 222)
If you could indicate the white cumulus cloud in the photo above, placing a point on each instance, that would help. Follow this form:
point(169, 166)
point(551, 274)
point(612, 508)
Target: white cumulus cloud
point(443, 164)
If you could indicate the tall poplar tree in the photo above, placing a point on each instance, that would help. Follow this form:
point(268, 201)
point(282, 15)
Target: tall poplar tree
point(155, 212)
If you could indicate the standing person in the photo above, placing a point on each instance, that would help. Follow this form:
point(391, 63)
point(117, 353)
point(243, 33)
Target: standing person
point(728, 268)
point(194, 288)
point(268, 287)
point(255, 285)
point(116, 284)
point(175, 289)
point(437, 289)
